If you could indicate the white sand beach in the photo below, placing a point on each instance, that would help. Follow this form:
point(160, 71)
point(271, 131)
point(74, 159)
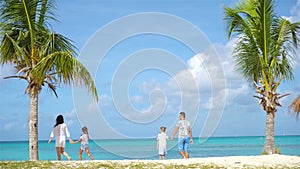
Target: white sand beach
point(262, 161)
point(267, 161)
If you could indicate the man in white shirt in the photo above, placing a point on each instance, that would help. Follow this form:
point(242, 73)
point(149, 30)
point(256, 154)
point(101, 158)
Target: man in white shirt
point(185, 136)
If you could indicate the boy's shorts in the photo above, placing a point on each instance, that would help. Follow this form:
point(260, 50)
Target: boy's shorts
point(183, 143)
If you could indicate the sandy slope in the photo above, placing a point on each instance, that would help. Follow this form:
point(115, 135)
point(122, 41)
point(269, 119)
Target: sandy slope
point(227, 162)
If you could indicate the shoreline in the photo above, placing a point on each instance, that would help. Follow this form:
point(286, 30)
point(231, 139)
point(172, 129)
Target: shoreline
point(260, 161)
point(104, 139)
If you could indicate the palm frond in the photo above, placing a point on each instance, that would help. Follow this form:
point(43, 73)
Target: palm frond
point(19, 77)
point(52, 87)
point(265, 18)
point(18, 50)
point(284, 48)
point(27, 13)
point(46, 14)
point(67, 69)
point(20, 13)
point(8, 52)
point(294, 108)
point(56, 42)
point(246, 54)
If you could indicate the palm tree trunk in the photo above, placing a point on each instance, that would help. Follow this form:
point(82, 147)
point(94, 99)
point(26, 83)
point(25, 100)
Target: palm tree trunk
point(33, 124)
point(270, 144)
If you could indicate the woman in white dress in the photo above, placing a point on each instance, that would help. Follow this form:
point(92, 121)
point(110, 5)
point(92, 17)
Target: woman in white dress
point(60, 131)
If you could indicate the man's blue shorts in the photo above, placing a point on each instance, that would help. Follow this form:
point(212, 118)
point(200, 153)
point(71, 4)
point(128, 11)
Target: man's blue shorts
point(183, 143)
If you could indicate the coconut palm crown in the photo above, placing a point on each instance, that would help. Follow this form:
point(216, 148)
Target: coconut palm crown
point(40, 56)
point(264, 53)
point(294, 107)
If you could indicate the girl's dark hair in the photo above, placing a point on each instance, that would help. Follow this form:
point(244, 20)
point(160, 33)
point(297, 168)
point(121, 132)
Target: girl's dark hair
point(59, 120)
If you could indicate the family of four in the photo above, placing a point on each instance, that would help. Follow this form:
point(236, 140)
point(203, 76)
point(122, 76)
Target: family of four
point(183, 127)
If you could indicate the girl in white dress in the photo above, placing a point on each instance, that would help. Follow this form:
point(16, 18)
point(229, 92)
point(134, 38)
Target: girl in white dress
point(84, 139)
point(59, 131)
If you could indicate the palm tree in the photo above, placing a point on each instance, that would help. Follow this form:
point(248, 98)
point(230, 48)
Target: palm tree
point(295, 107)
point(40, 56)
point(264, 53)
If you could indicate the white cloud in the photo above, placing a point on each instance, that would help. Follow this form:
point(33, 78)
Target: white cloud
point(295, 12)
point(2, 117)
point(70, 122)
point(5, 71)
point(148, 114)
point(138, 99)
point(70, 114)
point(235, 84)
point(9, 126)
point(104, 100)
point(147, 87)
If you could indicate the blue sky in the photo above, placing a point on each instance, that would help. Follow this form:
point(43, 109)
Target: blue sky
point(155, 98)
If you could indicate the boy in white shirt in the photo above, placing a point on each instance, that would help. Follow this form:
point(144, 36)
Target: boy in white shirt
point(162, 143)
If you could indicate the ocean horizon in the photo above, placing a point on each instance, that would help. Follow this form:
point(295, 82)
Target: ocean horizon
point(145, 148)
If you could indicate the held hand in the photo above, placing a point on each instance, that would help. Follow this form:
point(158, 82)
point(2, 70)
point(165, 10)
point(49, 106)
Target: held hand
point(172, 138)
point(191, 141)
point(71, 141)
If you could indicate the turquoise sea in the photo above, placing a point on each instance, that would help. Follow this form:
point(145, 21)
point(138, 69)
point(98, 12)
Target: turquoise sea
point(146, 148)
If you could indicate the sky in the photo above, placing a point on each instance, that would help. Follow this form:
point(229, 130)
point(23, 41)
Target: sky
point(150, 60)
